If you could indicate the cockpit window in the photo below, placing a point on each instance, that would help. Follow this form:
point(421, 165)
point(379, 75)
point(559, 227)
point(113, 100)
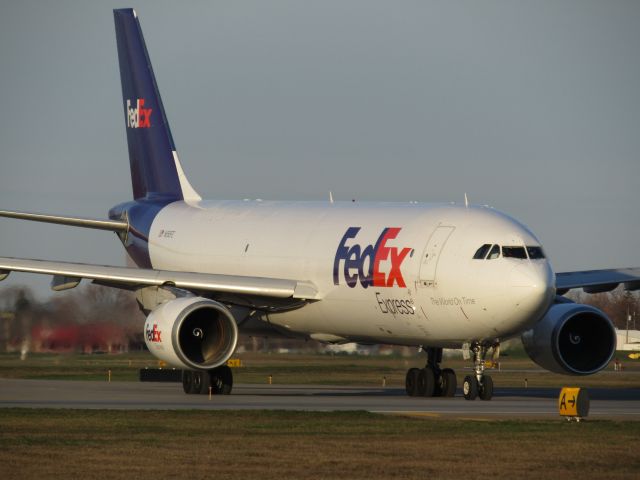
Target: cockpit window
point(514, 252)
point(482, 252)
point(535, 253)
point(494, 253)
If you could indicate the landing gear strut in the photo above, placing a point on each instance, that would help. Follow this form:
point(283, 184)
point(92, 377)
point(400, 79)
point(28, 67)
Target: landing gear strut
point(431, 381)
point(478, 384)
point(220, 380)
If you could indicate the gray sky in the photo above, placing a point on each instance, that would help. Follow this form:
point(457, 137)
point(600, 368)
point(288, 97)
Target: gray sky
point(530, 107)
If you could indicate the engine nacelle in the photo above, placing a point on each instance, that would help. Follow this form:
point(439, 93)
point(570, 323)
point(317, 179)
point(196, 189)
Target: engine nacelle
point(572, 339)
point(194, 333)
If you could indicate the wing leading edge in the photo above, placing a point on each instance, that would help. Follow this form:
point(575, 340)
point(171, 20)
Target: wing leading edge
point(68, 274)
point(598, 281)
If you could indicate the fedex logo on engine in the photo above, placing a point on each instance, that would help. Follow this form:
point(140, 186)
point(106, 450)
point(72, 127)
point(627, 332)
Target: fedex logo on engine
point(153, 335)
point(138, 116)
point(364, 264)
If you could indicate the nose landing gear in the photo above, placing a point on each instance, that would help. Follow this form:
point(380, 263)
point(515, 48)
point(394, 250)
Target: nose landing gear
point(431, 381)
point(479, 384)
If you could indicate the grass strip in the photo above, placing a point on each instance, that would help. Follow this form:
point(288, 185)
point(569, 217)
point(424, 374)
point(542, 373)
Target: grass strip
point(303, 445)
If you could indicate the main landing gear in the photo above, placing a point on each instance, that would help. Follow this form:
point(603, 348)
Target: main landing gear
point(431, 381)
point(220, 380)
point(478, 384)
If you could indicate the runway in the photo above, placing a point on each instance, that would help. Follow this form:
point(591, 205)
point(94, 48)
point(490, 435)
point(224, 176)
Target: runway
point(512, 403)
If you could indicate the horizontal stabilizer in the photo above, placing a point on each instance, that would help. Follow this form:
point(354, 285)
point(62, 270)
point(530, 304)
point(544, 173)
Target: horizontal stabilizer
point(111, 225)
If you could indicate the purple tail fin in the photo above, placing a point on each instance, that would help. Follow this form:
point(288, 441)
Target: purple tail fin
point(155, 168)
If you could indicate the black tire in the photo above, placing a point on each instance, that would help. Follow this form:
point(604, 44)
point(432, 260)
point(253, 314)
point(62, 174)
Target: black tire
point(426, 382)
point(200, 383)
point(227, 379)
point(486, 389)
point(206, 383)
point(411, 382)
point(448, 383)
point(437, 384)
point(221, 380)
point(187, 381)
point(470, 387)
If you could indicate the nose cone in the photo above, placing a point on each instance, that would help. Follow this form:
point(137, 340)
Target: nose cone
point(533, 274)
point(534, 285)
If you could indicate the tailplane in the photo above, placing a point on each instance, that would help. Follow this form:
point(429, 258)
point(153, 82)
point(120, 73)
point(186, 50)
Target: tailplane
point(155, 168)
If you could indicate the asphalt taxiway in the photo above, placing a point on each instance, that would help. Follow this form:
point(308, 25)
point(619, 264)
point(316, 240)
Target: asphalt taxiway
point(507, 402)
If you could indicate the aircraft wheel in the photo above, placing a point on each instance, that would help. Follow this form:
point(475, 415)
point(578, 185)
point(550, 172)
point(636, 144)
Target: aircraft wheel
point(447, 383)
point(200, 383)
point(470, 387)
point(221, 380)
point(437, 385)
point(227, 379)
point(486, 389)
point(187, 381)
point(411, 382)
point(426, 382)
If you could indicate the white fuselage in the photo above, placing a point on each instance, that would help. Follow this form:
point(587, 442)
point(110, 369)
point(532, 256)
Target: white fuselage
point(421, 286)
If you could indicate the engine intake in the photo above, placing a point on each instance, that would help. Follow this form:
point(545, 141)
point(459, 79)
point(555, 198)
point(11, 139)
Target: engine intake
point(572, 339)
point(192, 333)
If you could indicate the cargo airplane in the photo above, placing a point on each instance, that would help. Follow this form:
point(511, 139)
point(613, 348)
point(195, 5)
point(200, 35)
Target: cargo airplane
point(432, 276)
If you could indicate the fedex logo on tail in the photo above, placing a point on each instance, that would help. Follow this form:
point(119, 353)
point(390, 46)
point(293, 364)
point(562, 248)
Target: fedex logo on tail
point(138, 116)
point(364, 264)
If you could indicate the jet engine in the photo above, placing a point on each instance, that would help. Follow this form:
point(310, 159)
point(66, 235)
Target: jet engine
point(194, 333)
point(571, 339)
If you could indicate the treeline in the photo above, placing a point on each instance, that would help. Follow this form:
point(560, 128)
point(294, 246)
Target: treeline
point(88, 318)
point(85, 304)
point(616, 304)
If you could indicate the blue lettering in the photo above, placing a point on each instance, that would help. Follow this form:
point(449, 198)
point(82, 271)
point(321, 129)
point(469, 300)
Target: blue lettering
point(343, 254)
point(352, 263)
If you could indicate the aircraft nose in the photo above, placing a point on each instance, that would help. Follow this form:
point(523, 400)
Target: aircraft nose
point(535, 281)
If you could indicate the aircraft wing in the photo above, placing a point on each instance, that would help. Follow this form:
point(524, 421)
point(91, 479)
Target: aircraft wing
point(597, 281)
point(67, 275)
